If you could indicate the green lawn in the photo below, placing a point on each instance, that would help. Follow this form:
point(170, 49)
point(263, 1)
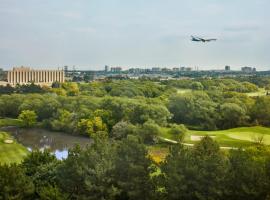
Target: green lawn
point(260, 92)
point(11, 153)
point(183, 91)
point(236, 137)
point(9, 122)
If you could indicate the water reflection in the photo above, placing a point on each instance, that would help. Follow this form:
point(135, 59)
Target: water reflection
point(41, 139)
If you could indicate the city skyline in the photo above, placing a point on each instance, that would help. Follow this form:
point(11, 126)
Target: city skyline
point(92, 34)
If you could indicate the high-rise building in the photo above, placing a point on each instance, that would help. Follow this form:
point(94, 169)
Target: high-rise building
point(227, 68)
point(156, 69)
point(66, 69)
point(107, 68)
point(248, 69)
point(23, 75)
point(116, 69)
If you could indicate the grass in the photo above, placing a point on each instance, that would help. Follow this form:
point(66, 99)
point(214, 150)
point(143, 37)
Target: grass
point(11, 153)
point(183, 91)
point(9, 122)
point(236, 137)
point(260, 92)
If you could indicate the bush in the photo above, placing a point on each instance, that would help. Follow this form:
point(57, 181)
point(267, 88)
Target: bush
point(28, 118)
point(177, 129)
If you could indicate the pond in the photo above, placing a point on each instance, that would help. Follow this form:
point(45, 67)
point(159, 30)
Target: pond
point(41, 139)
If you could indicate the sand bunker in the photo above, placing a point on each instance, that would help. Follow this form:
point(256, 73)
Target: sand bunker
point(8, 141)
point(198, 138)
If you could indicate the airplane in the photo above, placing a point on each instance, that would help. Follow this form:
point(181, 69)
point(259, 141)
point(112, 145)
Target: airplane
point(197, 39)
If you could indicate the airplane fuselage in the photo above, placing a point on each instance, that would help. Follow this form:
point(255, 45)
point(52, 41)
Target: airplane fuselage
point(197, 39)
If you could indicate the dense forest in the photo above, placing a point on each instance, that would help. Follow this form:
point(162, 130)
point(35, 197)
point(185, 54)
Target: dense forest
point(203, 104)
point(123, 170)
point(124, 118)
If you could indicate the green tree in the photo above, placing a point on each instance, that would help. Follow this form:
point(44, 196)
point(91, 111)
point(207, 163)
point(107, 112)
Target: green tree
point(261, 110)
point(248, 176)
point(178, 130)
point(63, 121)
point(122, 129)
point(197, 173)
point(28, 118)
point(71, 88)
point(195, 109)
point(196, 86)
point(88, 174)
point(14, 184)
point(92, 127)
point(232, 115)
point(148, 132)
point(41, 167)
point(132, 170)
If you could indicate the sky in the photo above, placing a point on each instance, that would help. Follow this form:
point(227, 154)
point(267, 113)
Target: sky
point(90, 34)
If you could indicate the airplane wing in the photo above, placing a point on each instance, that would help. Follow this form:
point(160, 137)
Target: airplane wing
point(209, 40)
point(200, 38)
point(196, 38)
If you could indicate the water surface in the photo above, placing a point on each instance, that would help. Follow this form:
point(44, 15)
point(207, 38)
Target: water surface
point(41, 139)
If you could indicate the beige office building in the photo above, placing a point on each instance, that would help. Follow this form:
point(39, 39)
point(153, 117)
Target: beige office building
point(24, 75)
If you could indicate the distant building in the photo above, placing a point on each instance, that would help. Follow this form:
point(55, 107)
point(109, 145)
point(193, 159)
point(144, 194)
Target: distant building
point(2, 75)
point(116, 69)
point(66, 69)
point(156, 69)
point(185, 68)
point(136, 70)
point(23, 75)
point(227, 68)
point(165, 69)
point(176, 69)
point(248, 69)
point(107, 68)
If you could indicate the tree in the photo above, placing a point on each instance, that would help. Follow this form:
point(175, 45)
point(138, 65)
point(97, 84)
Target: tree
point(51, 192)
point(71, 88)
point(196, 86)
point(148, 132)
point(63, 121)
point(248, 177)
point(261, 110)
point(92, 127)
point(14, 184)
point(192, 174)
point(35, 160)
point(195, 109)
point(41, 167)
point(232, 115)
point(178, 130)
point(132, 170)
point(28, 118)
point(88, 174)
point(122, 129)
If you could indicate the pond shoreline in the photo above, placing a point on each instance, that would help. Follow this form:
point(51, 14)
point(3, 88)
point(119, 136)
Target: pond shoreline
point(39, 139)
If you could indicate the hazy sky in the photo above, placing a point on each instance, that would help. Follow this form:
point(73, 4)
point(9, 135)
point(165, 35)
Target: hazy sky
point(134, 33)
